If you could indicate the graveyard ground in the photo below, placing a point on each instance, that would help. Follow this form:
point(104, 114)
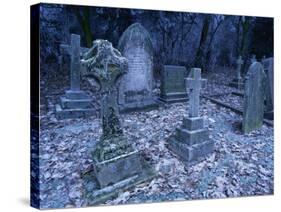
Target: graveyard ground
point(241, 165)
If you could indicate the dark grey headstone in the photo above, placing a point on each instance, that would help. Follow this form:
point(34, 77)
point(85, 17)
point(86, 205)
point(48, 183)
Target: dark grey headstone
point(172, 87)
point(136, 87)
point(254, 97)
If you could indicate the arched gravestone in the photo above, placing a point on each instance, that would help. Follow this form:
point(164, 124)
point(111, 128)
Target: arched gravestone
point(254, 98)
point(135, 90)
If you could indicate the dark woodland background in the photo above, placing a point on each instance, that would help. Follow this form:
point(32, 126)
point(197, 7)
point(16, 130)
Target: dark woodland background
point(180, 38)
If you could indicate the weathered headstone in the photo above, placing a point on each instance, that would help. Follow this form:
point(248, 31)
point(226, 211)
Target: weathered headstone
point(191, 141)
point(237, 82)
point(254, 97)
point(75, 103)
point(172, 87)
point(269, 89)
point(117, 165)
point(136, 87)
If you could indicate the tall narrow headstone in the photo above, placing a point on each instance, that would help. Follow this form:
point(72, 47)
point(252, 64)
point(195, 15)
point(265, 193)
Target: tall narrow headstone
point(269, 89)
point(136, 87)
point(75, 103)
point(191, 141)
point(172, 87)
point(117, 165)
point(254, 97)
point(237, 82)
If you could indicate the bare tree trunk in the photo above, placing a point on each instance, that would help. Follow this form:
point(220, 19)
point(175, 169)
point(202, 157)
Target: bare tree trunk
point(200, 54)
point(84, 20)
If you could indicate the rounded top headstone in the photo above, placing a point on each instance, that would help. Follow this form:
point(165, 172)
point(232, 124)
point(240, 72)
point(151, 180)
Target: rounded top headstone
point(254, 67)
point(135, 35)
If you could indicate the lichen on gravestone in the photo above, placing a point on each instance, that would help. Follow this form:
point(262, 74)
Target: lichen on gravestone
point(106, 65)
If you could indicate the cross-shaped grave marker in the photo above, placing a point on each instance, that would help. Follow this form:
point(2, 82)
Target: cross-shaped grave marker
point(193, 85)
point(115, 160)
point(74, 51)
point(75, 103)
point(191, 140)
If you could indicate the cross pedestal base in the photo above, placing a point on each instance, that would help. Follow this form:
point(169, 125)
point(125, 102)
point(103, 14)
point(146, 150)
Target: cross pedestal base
point(74, 104)
point(191, 141)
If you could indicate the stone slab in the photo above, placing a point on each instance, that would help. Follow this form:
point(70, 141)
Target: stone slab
point(75, 103)
point(117, 169)
point(193, 123)
point(73, 113)
point(97, 196)
point(191, 154)
point(69, 94)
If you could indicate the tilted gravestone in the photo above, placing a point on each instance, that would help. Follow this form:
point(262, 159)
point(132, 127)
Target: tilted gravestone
point(172, 87)
point(237, 82)
point(191, 141)
point(136, 87)
point(75, 103)
point(254, 97)
point(117, 165)
point(269, 89)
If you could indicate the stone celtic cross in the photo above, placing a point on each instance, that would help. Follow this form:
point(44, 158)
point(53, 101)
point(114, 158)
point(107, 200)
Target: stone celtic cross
point(194, 83)
point(238, 68)
point(106, 65)
point(74, 51)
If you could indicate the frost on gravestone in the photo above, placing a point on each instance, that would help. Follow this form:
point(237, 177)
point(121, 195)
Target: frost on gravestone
point(117, 165)
point(136, 87)
point(254, 98)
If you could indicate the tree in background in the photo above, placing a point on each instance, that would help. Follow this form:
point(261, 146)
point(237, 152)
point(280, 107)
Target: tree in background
point(83, 15)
